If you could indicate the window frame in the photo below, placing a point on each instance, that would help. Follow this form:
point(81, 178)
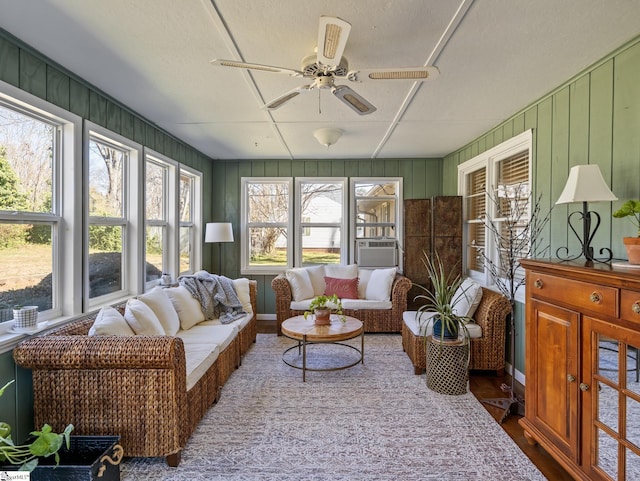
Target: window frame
point(66, 211)
point(490, 161)
point(245, 226)
point(300, 225)
point(133, 256)
point(195, 224)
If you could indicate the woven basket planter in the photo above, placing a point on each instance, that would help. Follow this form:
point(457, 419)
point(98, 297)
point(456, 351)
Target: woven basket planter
point(26, 317)
point(447, 366)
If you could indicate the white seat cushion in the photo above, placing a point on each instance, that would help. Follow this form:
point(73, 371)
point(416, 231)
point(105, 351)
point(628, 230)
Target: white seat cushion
point(220, 336)
point(238, 323)
point(417, 325)
point(366, 304)
point(199, 358)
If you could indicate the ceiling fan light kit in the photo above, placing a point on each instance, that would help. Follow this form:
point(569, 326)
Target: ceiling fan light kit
point(327, 136)
point(329, 64)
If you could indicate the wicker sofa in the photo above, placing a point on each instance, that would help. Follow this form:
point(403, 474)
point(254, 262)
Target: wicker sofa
point(487, 351)
point(150, 390)
point(377, 316)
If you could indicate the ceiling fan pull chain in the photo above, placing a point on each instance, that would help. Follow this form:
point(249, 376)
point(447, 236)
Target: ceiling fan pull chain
point(319, 107)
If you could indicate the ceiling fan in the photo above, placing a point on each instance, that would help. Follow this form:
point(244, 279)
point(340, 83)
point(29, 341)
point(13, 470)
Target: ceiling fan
point(328, 64)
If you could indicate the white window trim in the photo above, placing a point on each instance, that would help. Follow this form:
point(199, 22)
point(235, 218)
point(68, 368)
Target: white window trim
point(67, 262)
point(489, 160)
point(196, 216)
point(244, 227)
point(133, 246)
point(344, 234)
point(399, 215)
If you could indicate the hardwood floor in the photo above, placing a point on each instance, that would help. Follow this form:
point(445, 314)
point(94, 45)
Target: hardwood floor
point(487, 386)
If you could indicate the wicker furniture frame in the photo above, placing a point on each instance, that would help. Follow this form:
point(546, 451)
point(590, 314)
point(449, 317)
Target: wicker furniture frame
point(133, 386)
point(487, 352)
point(374, 320)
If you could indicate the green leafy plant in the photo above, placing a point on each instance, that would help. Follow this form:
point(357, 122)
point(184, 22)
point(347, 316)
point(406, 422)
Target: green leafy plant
point(630, 209)
point(331, 302)
point(43, 443)
point(441, 299)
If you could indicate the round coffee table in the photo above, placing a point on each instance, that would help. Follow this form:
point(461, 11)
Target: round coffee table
point(306, 332)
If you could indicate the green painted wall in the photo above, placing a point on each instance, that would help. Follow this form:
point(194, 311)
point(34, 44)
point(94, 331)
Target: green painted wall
point(592, 119)
point(21, 67)
point(421, 179)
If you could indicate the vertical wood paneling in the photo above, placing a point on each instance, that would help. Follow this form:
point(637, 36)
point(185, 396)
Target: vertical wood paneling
point(57, 88)
point(405, 171)
point(365, 168)
point(98, 109)
point(351, 168)
point(9, 63)
point(390, 168)
point(542, 165)
point(337, 168)
point(579, 122)
point(126, 128)
point(600, 144)
point(284, 168)
point(33, 75)
point(560, 168)
point(114, 118)
point(271, 168)
point(418, 179)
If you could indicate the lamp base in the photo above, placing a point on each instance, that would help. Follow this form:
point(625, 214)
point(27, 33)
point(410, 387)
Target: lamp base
point(587, 217)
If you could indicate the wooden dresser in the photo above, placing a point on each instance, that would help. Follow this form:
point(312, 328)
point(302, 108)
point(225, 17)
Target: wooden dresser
point(582, 395)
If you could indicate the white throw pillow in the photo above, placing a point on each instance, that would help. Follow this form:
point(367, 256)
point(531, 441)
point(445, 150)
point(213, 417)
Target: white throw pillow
point(300, 283)
point(364, 275)
point(316, 274)
point(379, 285)
point(341, 272)
point(162, 307)
point(241, 286)
point(141, 319)
point(109, 322)
point(188, 309)
point(467, 298)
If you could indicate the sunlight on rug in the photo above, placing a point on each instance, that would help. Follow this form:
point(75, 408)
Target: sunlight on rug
point(373, 421)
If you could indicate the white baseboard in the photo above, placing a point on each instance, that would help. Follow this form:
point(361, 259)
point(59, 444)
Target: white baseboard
point(266, 317)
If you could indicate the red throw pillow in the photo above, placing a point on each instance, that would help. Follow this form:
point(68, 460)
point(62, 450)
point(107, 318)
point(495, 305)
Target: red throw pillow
point(343, 288)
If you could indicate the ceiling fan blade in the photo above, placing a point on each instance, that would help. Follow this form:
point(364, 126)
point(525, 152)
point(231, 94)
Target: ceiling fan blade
point(255, 66)
point(333, 33)
point(353, 100)
point(284, 98)
point(414, 74)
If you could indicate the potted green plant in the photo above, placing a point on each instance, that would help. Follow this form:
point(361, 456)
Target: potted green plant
point(43, 443)
point(631, 210)
point(441, 300)
point(323, 306)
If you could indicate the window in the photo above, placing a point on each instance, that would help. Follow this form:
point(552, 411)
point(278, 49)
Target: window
point(267, 207)
point(38, 154)
point(321, 221)
point(497, 184)
point(189, 212)
point(112, 216)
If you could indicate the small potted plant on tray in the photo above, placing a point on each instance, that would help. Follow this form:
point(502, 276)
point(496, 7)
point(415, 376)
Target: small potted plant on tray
point(323, 306)
point(43, 443)
point(631, 210)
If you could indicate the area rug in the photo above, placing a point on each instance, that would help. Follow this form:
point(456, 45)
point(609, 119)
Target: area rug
point(373, 421)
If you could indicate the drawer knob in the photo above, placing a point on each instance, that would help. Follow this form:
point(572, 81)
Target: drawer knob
point(538, 284)
point(636, 307)
point(584, 387)
point(595, 297)
point(571, 378)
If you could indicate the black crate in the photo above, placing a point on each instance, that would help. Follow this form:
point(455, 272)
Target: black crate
point(86, 457)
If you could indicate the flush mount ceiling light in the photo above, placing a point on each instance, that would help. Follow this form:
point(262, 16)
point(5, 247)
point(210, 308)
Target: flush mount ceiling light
point(327, 136)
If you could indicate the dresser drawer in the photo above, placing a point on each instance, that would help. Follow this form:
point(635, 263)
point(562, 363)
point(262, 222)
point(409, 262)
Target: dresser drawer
point(581, 295)
point(630, 305)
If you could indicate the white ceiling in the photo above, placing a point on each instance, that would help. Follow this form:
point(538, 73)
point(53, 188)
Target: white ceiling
point(495, 57)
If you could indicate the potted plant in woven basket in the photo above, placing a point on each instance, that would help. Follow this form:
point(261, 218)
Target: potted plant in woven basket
point(631, 210)
point(448, 349)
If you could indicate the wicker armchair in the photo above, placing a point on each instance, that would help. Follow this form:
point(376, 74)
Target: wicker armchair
point(133, 386)
point(487, 352)
point(374, 320)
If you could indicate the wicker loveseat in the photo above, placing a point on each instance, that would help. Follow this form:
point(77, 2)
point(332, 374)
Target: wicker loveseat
point(487, 351)
point(150, 390)
point(377, 316)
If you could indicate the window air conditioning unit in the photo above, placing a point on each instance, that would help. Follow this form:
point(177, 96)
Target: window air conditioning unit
point(377, 253)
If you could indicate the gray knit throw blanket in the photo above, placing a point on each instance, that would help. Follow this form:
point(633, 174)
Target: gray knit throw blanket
point(216, 295)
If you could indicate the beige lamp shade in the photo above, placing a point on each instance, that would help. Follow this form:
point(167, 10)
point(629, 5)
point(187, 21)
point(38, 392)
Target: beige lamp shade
point(218, 232)
point(585, 184)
